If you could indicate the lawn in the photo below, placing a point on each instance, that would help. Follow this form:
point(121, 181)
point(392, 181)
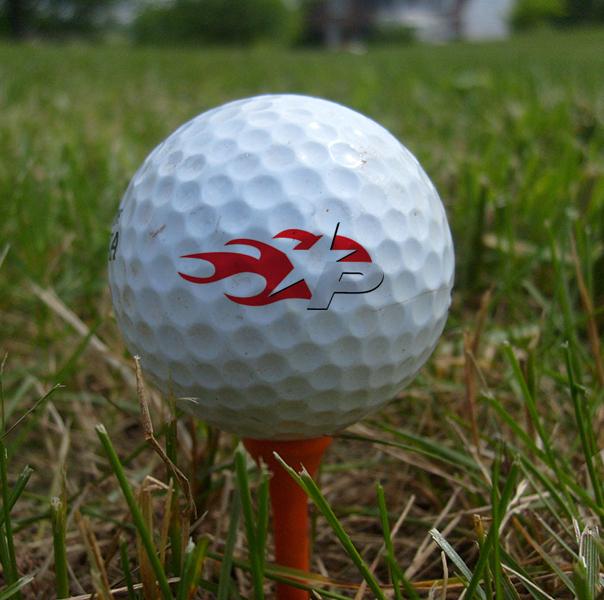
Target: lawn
point(497, 445)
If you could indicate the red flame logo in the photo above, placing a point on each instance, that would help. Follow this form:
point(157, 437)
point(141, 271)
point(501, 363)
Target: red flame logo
point(272, 264)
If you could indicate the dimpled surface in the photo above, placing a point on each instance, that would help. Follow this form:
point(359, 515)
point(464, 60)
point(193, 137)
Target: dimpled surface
point(249, 170)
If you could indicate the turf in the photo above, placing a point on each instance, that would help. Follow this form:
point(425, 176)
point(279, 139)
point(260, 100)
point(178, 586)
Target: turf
point(496, 447)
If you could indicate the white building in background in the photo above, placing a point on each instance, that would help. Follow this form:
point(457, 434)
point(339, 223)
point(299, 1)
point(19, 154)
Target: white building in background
point(435, 20)
point(487, 19)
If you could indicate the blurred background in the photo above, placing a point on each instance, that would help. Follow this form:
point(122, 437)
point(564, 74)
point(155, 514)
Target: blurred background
point(331, 23)
point(502, 101)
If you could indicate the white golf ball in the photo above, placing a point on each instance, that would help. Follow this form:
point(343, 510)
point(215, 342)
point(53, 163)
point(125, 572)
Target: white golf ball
point(282, 265)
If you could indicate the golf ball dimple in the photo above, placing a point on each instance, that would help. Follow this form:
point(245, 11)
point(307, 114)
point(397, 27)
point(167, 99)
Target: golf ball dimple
point(282, 265)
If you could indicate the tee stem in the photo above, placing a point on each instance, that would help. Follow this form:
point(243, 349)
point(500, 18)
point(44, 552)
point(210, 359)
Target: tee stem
point(289, 502)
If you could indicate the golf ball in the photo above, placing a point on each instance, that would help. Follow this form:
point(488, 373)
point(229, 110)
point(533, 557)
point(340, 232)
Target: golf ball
point(282, 265)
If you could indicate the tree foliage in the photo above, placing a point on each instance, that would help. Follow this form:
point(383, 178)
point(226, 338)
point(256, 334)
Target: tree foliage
point(528, 14)
point(54, 18)
point(216, 22)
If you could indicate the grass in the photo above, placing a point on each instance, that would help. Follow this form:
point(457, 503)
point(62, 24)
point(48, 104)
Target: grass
point(489, 465)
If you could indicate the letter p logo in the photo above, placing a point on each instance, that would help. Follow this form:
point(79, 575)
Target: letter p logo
point(345, 278)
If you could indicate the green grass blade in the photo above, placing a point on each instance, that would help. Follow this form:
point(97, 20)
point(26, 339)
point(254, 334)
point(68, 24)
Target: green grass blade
point(551, 563)
point(426, 448)
point(395, 573)
point(459, 563)
point(582, 589)
point(530, 585)
point(58, 519)
point(531, 470)
point(18, 489)
point(280, 574)
point(175, 535)
point(512, 423)
point(529, 401)
point(12, 590)
point(4, 253)
point(289, 577)
point(4, 555)
point(583, 495)
point(256, 560)
point(510, 564)
point(562, 290)
point(481, 538)
point(171, 434)
point(585, 433)
point(432, 448)
point(11, 574)
point(263, 512)
point(492, 541)
point(186, 575)
point(590, 559)
point(194, 558)
point(175, 528)
point(557, 537)
point(496, 518)
point(307, 483)
point(2, 365)
point(69, 366)
point(551, 458)
point(39, 402)
point(135, 511)
point(224, 582)
point(401, 579)
point(125, 565)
